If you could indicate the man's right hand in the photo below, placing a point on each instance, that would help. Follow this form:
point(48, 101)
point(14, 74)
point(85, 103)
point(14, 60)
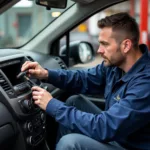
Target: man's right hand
point(34, 69)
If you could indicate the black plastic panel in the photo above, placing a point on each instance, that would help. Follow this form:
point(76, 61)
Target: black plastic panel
point(5, 116)
point(7, 131)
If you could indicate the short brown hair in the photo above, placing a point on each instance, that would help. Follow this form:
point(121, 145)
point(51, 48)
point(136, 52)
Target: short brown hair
point(122, 22)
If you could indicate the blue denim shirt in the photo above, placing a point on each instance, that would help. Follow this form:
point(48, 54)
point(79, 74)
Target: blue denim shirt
point(126, 118)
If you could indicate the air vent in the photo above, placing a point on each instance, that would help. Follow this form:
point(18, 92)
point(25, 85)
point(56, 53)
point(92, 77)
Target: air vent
point(4, 84)
point(6, 87)
point(30, 58)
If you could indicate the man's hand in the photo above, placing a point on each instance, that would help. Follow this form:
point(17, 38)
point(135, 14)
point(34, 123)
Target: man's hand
point(41, 97)
point(34, 69)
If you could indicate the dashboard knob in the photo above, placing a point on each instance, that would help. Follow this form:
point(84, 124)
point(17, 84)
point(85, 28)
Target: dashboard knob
point(27, 105)
point(28, 127)
point(43, 118)
point(30, 140)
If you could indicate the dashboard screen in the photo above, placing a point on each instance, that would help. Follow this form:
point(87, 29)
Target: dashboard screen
point(11, 70)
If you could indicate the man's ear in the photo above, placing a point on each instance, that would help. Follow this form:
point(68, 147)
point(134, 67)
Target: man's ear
point(126, 45)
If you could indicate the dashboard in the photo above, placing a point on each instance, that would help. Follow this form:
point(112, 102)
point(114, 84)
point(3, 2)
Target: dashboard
point(16, 105)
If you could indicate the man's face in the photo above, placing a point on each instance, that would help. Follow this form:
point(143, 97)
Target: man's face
point(110, 49)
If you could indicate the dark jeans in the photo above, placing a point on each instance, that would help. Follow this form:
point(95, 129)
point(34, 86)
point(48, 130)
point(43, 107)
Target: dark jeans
point(74, 140)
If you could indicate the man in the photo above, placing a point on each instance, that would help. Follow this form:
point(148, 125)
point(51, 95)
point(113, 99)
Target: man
point(123, 78)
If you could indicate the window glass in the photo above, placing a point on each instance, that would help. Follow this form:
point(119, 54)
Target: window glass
point(23, 21)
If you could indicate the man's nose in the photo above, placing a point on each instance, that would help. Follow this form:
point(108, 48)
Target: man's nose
point(100, 50)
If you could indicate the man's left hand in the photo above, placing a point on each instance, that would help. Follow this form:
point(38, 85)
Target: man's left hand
point(41, 97)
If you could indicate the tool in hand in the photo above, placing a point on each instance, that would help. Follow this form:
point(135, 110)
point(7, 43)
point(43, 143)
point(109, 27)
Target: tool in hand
point(21, 74)
point(24, 74)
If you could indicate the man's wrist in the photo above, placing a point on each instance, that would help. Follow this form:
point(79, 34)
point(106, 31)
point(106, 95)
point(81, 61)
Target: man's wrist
point(46, 74)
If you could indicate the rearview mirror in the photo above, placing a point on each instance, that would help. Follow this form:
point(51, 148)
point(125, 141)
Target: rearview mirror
point(52, 3)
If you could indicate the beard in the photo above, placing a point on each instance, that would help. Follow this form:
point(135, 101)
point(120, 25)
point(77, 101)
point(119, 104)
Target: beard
point(115, 60)
point(107, 62)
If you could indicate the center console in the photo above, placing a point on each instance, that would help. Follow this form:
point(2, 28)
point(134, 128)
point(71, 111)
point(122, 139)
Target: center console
point(16, 94)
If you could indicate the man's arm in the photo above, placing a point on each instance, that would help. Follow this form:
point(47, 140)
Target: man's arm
point(79, 81)
point(113, 124)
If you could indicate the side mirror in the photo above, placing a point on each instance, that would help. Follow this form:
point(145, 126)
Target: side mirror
point(52, 3)
point(80, 52)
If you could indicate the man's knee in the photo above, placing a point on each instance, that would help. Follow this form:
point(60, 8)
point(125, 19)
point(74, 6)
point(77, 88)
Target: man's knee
point(68, 142)
point(72, 100)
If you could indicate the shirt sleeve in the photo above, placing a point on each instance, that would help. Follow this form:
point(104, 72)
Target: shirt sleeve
point(89, 81)
point(116, 122)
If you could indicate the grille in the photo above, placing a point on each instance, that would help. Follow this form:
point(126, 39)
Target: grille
point(4, 84)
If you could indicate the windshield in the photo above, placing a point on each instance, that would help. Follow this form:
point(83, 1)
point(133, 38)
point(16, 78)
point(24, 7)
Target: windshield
point(23, 21)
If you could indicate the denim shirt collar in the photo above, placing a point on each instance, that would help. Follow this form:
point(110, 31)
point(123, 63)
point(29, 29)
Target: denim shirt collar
point(138, 66)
